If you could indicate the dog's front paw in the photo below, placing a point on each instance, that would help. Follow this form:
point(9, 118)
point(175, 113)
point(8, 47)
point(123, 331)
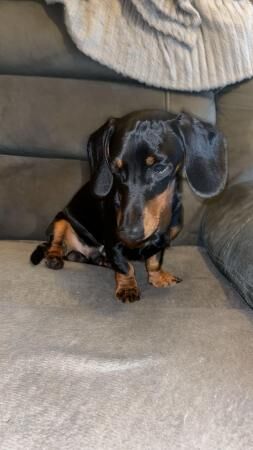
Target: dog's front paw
point(54, 262)
point(128, 294)
point(162, 279)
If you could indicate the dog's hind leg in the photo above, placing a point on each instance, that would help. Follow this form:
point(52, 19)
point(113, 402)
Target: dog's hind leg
point(55, 251)
point(75, 256)
point(94, 256)
point(39, 253)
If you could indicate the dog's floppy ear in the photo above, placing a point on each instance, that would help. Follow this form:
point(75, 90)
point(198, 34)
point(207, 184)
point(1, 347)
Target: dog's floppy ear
point(98, 154)
point(205, 155)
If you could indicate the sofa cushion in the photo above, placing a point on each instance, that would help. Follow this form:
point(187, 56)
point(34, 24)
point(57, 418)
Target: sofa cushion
point(201, 105)
point(227, 233)
point(84, 371)
point(54, 117)
point(34, 41)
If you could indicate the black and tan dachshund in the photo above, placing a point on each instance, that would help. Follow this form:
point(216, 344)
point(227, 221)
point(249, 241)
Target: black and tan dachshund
point(131, 208)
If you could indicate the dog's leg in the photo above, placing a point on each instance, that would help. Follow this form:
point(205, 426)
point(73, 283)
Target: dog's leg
point(126, 286)
point(39, 253)
point(156, 276)
point(55, 253)
point(95, 257)
point(75, 256)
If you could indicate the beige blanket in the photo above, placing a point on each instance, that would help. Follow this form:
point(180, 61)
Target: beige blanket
point(174, 44)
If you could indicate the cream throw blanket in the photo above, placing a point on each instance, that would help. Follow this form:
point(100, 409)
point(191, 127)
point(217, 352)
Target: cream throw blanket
point(188, 45)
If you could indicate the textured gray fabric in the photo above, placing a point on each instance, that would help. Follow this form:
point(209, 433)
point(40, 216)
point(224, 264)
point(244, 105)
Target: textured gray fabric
point(199, 45)
point(41, 45)
point(54, 117)
point(227, 232)
point(81, 371)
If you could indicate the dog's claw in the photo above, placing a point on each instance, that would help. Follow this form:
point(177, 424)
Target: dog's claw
point(54, 263)
point(128, 295)
point(163, 279)
point(178, 280)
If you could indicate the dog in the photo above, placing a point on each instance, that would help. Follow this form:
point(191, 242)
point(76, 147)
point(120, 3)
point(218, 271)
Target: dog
point(131, 208)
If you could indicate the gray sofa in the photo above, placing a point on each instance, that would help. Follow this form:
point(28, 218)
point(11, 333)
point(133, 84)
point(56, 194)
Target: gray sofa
point(79, 370)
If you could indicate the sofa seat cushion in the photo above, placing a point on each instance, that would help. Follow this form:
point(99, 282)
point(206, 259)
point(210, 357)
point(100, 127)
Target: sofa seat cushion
point(77, 284)
point(80, 370)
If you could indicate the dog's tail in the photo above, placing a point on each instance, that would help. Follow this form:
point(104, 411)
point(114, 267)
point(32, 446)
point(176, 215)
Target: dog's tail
point(39, 253)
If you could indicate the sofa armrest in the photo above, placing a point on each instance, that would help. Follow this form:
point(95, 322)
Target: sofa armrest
point(227, 234)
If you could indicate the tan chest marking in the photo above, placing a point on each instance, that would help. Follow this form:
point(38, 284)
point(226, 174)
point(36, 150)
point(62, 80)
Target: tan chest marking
point(157, 212)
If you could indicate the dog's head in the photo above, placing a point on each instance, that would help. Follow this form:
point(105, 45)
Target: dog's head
point(139, 156)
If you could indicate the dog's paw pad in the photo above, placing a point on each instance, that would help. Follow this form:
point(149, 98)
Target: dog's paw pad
point(128, 295)
point(54, 262)
point(163, 279)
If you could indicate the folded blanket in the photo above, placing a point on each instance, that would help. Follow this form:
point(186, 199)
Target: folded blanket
point(188, 45)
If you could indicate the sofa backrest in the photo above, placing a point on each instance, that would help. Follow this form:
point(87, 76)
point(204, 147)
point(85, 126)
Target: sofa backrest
point(45, 124)
point(51, 98)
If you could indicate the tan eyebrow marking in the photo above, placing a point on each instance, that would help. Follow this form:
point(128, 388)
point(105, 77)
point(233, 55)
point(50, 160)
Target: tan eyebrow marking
point(150, 160)
point(119, 163)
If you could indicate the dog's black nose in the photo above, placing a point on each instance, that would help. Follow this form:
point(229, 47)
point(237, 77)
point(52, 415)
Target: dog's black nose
point(133, 234)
